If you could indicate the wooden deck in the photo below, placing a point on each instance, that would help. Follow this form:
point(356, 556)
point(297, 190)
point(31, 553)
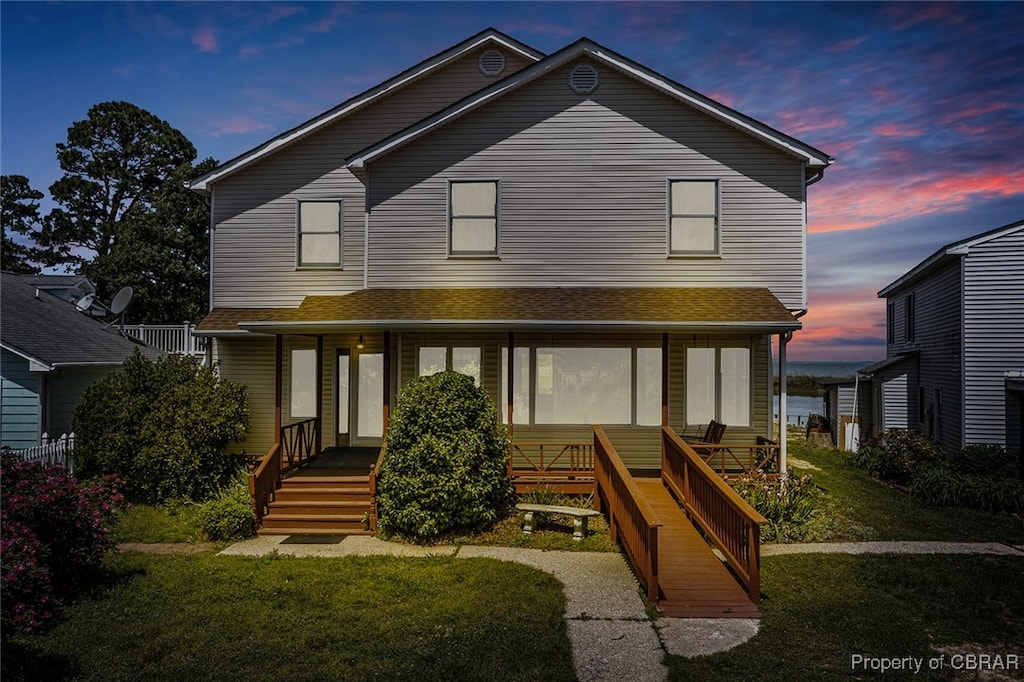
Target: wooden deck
point(692, 581)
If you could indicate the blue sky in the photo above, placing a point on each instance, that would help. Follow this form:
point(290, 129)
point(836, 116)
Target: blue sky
point(921, 104)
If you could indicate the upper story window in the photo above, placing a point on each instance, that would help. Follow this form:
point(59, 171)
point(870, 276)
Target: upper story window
point(908, 308)
point(319, 234)
point(693, 209)
point(473, 218)
point(890, 322)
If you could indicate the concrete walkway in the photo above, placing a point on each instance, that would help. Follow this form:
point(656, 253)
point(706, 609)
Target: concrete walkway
point(612, 636)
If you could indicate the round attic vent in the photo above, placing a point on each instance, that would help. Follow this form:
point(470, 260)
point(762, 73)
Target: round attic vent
point(492, 63)
point(583, 79)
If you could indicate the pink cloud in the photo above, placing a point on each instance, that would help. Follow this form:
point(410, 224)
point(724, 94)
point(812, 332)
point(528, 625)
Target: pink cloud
point(846, 45)
point(205, 39)
point(727, 100)
point(337, 12)
point(236, 125)
point(896, 130)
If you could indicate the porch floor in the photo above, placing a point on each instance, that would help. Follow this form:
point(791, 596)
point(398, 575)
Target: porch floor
point(339, 461)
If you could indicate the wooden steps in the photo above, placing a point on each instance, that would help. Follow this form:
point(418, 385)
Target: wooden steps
point(318, 503)
point(693, 582)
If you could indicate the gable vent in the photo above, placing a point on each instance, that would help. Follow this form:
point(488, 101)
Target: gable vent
point(492, 63)
point(583, 79)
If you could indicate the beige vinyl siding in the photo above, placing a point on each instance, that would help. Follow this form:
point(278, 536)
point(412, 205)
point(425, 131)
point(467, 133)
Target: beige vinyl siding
point(993, 300)
point(250, 361)
point(583, 195)
point(254, 210)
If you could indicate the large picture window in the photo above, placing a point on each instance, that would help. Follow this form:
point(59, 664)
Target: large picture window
point(718, 386)
point(693, 217)
point(465, 360)
point(473, 218)
point(319, 234)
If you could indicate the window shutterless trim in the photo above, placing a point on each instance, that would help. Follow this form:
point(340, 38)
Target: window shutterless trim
point(670, 213)
point(338, 265)
point(496, 252)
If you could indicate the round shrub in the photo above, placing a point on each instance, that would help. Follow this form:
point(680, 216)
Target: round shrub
point(55, 533)
point(446, 462)
point(229, 515)
point(992, 461)
point(898, 455)
point(163, 426)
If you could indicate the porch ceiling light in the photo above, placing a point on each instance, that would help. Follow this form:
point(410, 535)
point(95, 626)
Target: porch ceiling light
point(361, 342)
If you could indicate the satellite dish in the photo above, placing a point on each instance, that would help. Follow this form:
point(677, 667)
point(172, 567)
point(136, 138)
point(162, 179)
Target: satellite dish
point(121, 300)
point(85, 302)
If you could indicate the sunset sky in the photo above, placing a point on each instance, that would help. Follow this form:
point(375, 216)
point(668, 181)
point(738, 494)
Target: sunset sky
point(921, 104)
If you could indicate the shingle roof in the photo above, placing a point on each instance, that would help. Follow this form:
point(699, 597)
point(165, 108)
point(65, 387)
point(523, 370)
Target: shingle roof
point(674, 308)
point(52, 331)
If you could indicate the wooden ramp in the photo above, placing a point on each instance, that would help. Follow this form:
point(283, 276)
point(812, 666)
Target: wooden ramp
point(693, 582)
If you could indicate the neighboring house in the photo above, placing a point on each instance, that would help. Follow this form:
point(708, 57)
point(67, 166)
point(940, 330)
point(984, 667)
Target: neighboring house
point(49, 353)
point(842, 410)
point(955, 347)
point(590, 240)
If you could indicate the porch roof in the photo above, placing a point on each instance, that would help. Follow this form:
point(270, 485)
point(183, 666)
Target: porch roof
point(703, 309)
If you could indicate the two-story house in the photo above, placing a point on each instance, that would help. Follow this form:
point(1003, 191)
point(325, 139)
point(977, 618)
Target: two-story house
point(593, 242)
point(954, 367)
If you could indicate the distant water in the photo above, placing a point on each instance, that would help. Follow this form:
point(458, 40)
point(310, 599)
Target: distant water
point(823, 368)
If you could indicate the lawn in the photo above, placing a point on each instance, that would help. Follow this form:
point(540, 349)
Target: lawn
point(205, 617)
point(857, 507)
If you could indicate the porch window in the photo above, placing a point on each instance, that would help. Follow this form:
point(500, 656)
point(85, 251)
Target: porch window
point(319, 234)
point(473, 218)
point(693, 217)
point(520, 386)
point(648, 386)
point(718, 386)
point(583, 386)
point(434, 359)
point(303, 386)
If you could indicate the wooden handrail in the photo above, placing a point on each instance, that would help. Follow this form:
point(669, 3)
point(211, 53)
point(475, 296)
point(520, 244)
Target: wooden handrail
point(632, 522)
point(731, 523)
point(374, 471)
point(263, 482)
point(298, 443)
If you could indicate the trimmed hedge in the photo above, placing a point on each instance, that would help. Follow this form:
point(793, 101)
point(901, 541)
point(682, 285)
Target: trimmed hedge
point(446, 462)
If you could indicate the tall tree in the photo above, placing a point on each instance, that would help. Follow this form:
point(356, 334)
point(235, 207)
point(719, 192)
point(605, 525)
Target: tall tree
point(19, 214)
point(124, 215)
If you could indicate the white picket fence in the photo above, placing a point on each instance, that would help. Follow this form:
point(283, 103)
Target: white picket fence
point(172, 338)
point(59, 452)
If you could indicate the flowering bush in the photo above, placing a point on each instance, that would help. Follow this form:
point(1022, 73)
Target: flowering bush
point(788, 502)
point(55, 531)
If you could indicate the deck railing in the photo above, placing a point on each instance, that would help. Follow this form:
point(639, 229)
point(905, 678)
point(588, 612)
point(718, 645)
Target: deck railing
point(632, 522)
point(551, 459)
point(298, 443)
point(732, 524)
point(263, 481)
point(374, 473)
point(734, 460)
point(173, 338)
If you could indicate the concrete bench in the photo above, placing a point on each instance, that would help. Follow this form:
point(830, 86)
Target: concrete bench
point(578, 514)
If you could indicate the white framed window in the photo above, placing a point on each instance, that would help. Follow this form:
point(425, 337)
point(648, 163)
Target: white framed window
point(303, 383)
point(583, 386)
point(718, 386)
point(693, 217)
point(318, 233)
point(648, 387)
point(473, 217)
point(520, 385)
point(465, 360)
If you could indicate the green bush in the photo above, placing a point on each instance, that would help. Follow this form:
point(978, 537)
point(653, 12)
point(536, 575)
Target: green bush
point(898, 455)
point(992, 461)
point(229, 515)
point(788, 502)
point(163, 426)
point(946, 488)
point(446, 462)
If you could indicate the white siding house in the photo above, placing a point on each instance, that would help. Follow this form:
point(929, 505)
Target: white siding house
point(591, 241)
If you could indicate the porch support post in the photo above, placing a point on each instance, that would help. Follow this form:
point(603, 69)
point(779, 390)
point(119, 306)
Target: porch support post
point(509, 387)
point(319, 394)
point(783, 417)
point(387, 380)
point(664, 379)
point(278, 363)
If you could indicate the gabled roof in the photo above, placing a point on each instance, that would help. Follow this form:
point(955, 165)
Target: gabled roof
point(51, 333)
point(80, 282)
point(947, 253)
point(657, 308)
point(488, 36)
point(815, 159)
point(891, 361)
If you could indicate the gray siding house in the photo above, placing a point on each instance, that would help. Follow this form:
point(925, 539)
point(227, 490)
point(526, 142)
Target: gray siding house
point(591, 241)
point(955, 347)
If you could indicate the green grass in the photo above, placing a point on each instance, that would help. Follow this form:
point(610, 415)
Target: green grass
point(553, 533)
point(819, 610)
point(857, 507)
point(204, 617)
point(165, 523)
